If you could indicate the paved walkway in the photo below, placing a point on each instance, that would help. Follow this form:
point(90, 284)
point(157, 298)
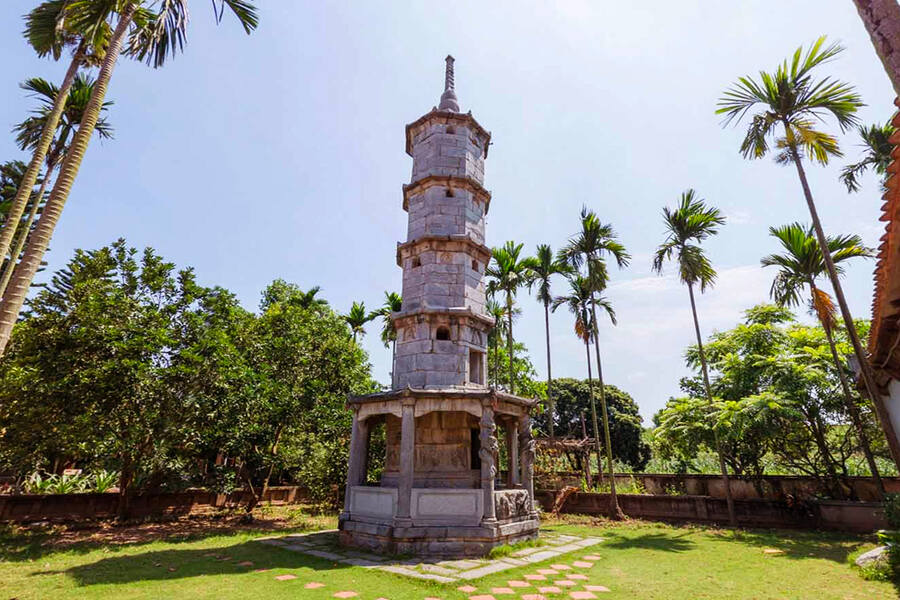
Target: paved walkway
point(324, 544)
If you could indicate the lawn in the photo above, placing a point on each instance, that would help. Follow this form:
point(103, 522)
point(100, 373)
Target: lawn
point(212, 560)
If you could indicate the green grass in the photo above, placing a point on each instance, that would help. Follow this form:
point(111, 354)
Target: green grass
point(637, 560)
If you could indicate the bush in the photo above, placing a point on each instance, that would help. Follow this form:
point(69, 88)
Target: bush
point(892, 510)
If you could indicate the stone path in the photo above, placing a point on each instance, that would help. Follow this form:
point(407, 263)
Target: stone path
point(324, 544)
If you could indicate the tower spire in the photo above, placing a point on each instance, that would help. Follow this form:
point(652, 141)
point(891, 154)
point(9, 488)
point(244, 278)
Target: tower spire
point(448, 98)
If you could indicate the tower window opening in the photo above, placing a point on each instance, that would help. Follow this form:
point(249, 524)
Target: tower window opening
point(443, 333)
point(476, 367)
point(449, 192)
point(474, 265)
point(451, 129)
point(475, 446)
point(416, 262)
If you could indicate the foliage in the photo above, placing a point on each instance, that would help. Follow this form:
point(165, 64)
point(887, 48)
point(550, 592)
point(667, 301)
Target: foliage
point(877, 155)
point(527, 384)
point(892, 510)
point(572, 401)
point(692, 221)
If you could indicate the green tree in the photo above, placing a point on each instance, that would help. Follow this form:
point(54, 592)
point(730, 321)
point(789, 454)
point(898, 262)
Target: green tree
point(590, 247)
point(393, 303)
point(153, 31)
point(509, 272)
point(496, 335)
point(28, 136)
point(282, 291)
point(523, 371)
point(791, 100)
point(877, 155)
point(687, 226)
point(799, 266)
point(358, 317)
point(544, 268)
point(573, 400)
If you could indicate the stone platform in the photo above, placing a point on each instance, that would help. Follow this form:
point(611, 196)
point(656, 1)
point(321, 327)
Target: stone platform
point(325, 545)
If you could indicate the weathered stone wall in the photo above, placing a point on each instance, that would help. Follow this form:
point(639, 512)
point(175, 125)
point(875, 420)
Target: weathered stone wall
point(442, 451)
point(438, 152)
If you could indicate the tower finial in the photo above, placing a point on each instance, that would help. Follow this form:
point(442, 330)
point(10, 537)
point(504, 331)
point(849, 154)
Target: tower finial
point(448, 98)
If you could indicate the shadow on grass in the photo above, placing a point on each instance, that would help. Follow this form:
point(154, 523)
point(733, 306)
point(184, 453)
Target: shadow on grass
point(797, 545)
point(663, 541)
point(171, 564)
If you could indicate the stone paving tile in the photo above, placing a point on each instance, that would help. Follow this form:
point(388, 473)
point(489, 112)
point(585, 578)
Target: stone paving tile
point(541, 556)
point(439, 570)
point(285, 577)
point(261, 570)
point(596, 588)
point(582, 564)
point(533, 597)
point(245, 563)
point(582, 595)
point(518, 562)
point(525, 551)
point(359, 562)
point(578, 576)
point(565, 583)
point(502, 590)
point(467, 588)
point(485, 570)
point(561, 567)
point(550, 589)
point(462, 564)
point(518, 584)
point(314, 585)
point(482, 597)
point(591, 557)
point(535, 577)
point(323, 554)
point(548, 571)
point(346, 594)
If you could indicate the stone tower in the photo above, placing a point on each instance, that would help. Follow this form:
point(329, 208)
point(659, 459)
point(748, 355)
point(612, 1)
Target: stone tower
point(442, 491)
point(442, 329)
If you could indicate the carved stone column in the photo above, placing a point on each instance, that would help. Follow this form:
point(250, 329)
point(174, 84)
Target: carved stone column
point(526, 456)
point(356, 466)
point(488, 468)
point(512, 447)
point(407, 462)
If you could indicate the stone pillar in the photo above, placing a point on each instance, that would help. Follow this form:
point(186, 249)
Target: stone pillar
point(407, 462)
point(526, 456)
point(488, 468)
point(356, 466)
point(512, 448)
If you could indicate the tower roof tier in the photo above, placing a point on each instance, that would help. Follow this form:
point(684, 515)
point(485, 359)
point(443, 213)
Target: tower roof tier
point(446, 117)
point(443, 243)
point(450, 182)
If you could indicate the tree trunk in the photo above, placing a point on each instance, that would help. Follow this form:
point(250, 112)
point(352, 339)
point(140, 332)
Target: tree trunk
point(265, 487)
point(817, 426)
point(587, 355)
point(509, 342)
point(729, 500)
point(882, 21)
point(23, 234)
point(37, 245)
point(865, 368)
point(615, 511)
point(549, 376)
point(37, 159)
point(852, 409)
point(126, 476)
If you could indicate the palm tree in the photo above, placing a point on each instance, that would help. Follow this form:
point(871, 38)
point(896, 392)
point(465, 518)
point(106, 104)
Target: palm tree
point(877, 144)
point(589, 248)
point(497, 332)
point(151, 36)
point(545, 267)
point(308, 299)
point(580, 302)
point(791, 99)
point(357, 318)
point(393, 302)
point(686, 226)
point(509, 273)
point(11, 174)
point(800, 265)
point(29, 133)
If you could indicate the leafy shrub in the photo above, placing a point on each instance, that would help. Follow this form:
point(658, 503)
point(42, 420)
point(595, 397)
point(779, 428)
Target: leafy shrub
point(892, 510)
point(104, 481)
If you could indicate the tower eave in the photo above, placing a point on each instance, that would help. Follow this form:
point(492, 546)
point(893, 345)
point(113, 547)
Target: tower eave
point(470, 183)
point(446, 116)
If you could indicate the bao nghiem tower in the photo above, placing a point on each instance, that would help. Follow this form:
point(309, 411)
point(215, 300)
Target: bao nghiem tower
point(442, 491)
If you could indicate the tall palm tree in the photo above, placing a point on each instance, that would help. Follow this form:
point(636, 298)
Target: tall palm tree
point(309, 299)
point(793, 101)
point(29, 133)
point(580, 301)
point(799, 266)
point(877, 144)
point(545, 267)
point(509, 272)
point(357, 319)
point(154, 30)
point(393, 302)
point(686, 226)
point(590, 248)
point(496, 334)
point(882, 21)
point(11, 174)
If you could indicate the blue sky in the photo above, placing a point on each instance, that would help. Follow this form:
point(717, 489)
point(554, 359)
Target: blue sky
point(281, 154)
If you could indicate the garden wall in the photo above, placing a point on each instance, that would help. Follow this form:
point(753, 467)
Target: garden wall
point(857, 517)
point(772, 487)
point(25, 508)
